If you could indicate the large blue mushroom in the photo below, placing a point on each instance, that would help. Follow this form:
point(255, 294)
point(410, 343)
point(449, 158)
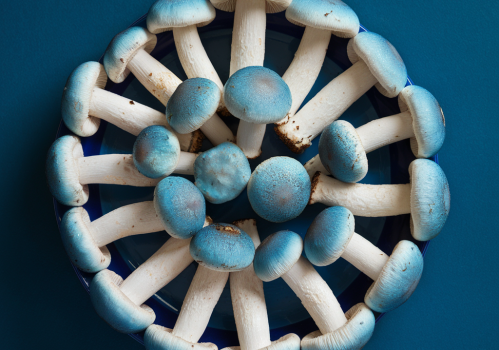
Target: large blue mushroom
point(375, 62)
point(279, 255)
point(426, 198)
point(331, 236)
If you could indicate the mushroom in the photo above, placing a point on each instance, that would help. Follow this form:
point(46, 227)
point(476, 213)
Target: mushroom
point(250, 310)
point(121, 302)
point(279, 255)
point(343, 149)
point(129, 51)
point(192, 107)
point(178, 207)
point(426, 198)
point(279, 189)
point(248, 38)
point(331, 236)
point(85, 103)
point(69, 172)
point(221, 173)
point(257, 96)
point(320, 19)
point(375, 62)
point(183, 18)
point(222, 247)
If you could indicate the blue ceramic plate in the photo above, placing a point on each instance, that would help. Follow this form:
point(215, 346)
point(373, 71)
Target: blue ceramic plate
point(286, 313)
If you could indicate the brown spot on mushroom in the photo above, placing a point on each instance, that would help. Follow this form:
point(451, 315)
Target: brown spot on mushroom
point(122, 60)
point(150, 74)
point(315, 183)
point(132, 103)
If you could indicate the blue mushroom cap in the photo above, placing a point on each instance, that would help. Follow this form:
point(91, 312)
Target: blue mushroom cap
point(165, 15)
point(257, 95)
point(79, 243)
point(116, 308)
point(383, 61)
point(353, 335)
point(342, 153)
point(156, 152)
point(62, 171)
point(333, 15)
point(222, 247)
point(222, 173)
point(180, 206)
point(328, 235)
point(430, 199)
point(76, 98)
point(192, 104)
point(428, 120)
point(279, 189)
point(398, 278)
point(161, 338)
point(122, 49)
point(277, 254)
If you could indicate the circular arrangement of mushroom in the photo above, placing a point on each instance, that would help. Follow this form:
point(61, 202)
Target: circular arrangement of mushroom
point(278, 189)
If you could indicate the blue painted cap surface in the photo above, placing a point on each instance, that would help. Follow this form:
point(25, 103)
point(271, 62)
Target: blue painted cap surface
point(122, 49)
point(180, 206)
point(430, 199)
point(333, 15)
point(428, 120)
point(116, 308)
point(77, 95)
point(79, 244)
point(328, 235)
point(277, 254)
point(192, 104)
point(222, 247)
point(353, 335)
point(342, 153)
point(257, 95)
point(158, 337)
point(279, 189)
point(156, 152)
point(222, 173)
point(383, 61)
point(62, 171)
point(165, 15)
point(398, 278)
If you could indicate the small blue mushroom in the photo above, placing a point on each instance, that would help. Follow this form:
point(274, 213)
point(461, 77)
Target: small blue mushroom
point(123, 48)
point(180, 205)
point(222, 247)
point(115, 307)
point(77, 95)
point(156, 152)
point(279, 189)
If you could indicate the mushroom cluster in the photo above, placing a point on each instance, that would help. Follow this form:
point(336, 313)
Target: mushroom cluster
point(166, 155)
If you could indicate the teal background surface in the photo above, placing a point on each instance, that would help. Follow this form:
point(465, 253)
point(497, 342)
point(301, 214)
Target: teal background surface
point(449, 47)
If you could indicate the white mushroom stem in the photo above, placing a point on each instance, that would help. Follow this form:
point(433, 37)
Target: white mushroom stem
point(248, 301)
point(306, 66)
point(131, 116)
point(250, 137)
point(119, 169)
point(248, 36)
point(129, 220)
point(193, 56)
point(328, 105)
point(365, 256)
point(373, 135)
point(314, 165)
point(315, 295)
point(155, 77)
point(361, 199)
point(384, 131)
point(199, 302)
point(157, 271)
point(216, 130)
